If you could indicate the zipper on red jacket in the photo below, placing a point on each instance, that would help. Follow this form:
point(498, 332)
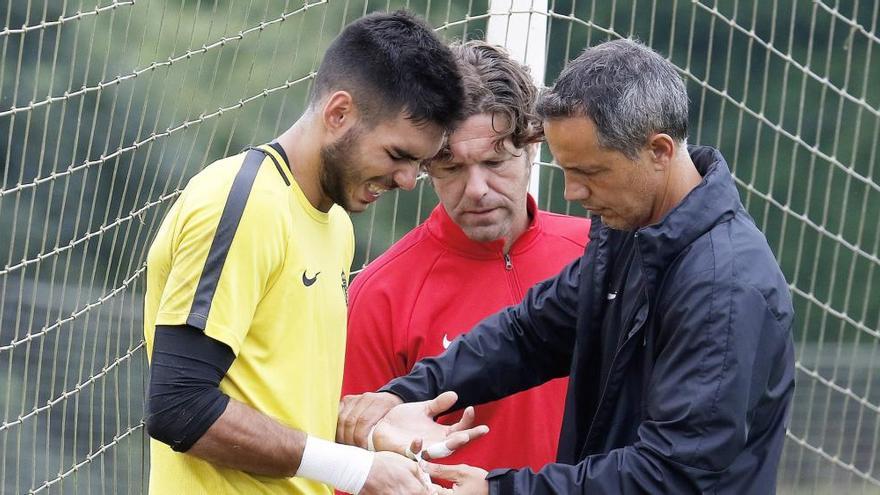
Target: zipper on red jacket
point(516, 288)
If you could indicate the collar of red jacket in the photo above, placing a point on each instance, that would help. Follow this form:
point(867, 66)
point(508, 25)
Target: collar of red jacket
point(448, 233)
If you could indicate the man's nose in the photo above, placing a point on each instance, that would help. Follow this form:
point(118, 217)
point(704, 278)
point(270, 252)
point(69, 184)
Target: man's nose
point(575, 192)
point(476, 186)
point(405, 178)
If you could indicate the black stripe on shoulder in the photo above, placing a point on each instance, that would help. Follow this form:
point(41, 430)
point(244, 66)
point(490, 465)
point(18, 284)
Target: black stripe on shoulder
point(229, 220)
point(275, 146)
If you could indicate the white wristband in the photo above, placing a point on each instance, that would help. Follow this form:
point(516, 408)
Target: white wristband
point(342, 466)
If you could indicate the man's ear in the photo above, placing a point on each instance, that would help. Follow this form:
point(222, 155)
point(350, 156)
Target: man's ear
point(661, 149)
point(339, 113)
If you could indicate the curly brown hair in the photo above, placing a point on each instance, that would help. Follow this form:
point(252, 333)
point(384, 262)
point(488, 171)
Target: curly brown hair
point(496, 84)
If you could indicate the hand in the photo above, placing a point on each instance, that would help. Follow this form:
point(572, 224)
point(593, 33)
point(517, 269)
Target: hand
point(358, 414)
point(393, 473)
point(466, 480)
point(415, 421)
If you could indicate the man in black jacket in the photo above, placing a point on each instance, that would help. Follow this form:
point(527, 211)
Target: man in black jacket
point(674, 327)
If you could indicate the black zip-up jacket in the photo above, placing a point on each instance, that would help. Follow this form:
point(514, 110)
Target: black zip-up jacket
point(677, 341)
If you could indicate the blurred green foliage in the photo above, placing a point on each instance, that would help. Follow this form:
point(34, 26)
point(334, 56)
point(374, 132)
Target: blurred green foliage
point(106, 115)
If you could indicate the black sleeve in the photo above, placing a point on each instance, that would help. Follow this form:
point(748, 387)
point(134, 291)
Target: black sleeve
point(184, 397)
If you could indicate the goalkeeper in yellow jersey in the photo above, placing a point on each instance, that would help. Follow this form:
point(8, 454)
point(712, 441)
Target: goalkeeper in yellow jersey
point(245, 307)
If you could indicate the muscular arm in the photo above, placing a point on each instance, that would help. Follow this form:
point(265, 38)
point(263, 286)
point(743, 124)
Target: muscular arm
point(248, 440)
point(187, 410)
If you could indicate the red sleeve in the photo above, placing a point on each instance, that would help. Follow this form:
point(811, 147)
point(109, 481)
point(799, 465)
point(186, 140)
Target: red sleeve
point(374, 354)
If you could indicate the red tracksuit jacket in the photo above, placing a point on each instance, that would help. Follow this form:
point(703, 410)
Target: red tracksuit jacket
point(435, 284)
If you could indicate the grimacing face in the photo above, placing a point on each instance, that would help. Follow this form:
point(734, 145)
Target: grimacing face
point(364, 163)
point(483, 188)
point(607, 183)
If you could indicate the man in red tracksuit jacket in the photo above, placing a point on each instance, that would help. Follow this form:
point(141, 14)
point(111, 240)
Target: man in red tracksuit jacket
point(478, 252)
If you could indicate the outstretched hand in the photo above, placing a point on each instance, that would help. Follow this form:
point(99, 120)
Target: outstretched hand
point(395, 425)
point(407, 422)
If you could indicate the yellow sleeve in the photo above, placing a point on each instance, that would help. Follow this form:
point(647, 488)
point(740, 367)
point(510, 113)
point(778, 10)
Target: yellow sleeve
point(228, 248)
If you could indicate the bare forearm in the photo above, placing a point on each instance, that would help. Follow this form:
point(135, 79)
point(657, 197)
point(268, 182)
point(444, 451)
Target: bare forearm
point(248, 440)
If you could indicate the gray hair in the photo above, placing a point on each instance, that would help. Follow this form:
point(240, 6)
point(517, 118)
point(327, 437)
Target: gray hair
point(629, 92)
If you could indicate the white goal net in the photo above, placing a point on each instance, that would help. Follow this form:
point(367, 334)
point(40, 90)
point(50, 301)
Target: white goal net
point(108, 107)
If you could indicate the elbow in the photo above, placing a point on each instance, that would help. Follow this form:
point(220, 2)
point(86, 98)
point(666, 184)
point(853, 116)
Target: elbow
point(181, 421)
point(184, 398)
point(155, 428)
point(152, 423)
point(165, 425)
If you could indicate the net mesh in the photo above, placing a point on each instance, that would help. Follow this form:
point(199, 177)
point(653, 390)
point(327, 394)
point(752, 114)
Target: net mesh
point(107, 108)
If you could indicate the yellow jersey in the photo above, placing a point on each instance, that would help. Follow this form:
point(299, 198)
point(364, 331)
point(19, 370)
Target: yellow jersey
point(245, 257)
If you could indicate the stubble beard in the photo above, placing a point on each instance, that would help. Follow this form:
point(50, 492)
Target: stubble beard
point(337, 166)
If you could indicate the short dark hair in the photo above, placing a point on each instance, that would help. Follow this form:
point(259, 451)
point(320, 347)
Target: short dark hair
point(392, 63)
point(628, 90)
point(496, 84)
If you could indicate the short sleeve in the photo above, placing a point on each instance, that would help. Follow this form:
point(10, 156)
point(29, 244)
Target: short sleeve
point(228, 248)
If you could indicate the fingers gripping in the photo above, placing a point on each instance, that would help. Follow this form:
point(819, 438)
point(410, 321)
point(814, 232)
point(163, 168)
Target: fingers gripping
point(366, 419)
point(359, 413)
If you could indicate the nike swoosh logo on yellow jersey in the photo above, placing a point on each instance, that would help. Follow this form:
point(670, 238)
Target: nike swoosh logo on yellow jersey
point(309, 281)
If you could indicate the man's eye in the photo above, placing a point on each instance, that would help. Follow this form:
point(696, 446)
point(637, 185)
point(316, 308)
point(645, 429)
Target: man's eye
point(492, 163)
point(443, 171)
point(398, 158)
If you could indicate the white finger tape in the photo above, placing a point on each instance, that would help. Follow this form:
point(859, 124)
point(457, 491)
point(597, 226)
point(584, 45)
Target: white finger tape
point(370, 446)
point(438, 450)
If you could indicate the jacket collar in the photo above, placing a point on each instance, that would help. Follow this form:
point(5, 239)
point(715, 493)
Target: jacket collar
point(713, 201)
point(448, 233)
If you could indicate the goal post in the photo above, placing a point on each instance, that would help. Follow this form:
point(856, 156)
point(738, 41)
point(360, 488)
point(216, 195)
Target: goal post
point(508, 21)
